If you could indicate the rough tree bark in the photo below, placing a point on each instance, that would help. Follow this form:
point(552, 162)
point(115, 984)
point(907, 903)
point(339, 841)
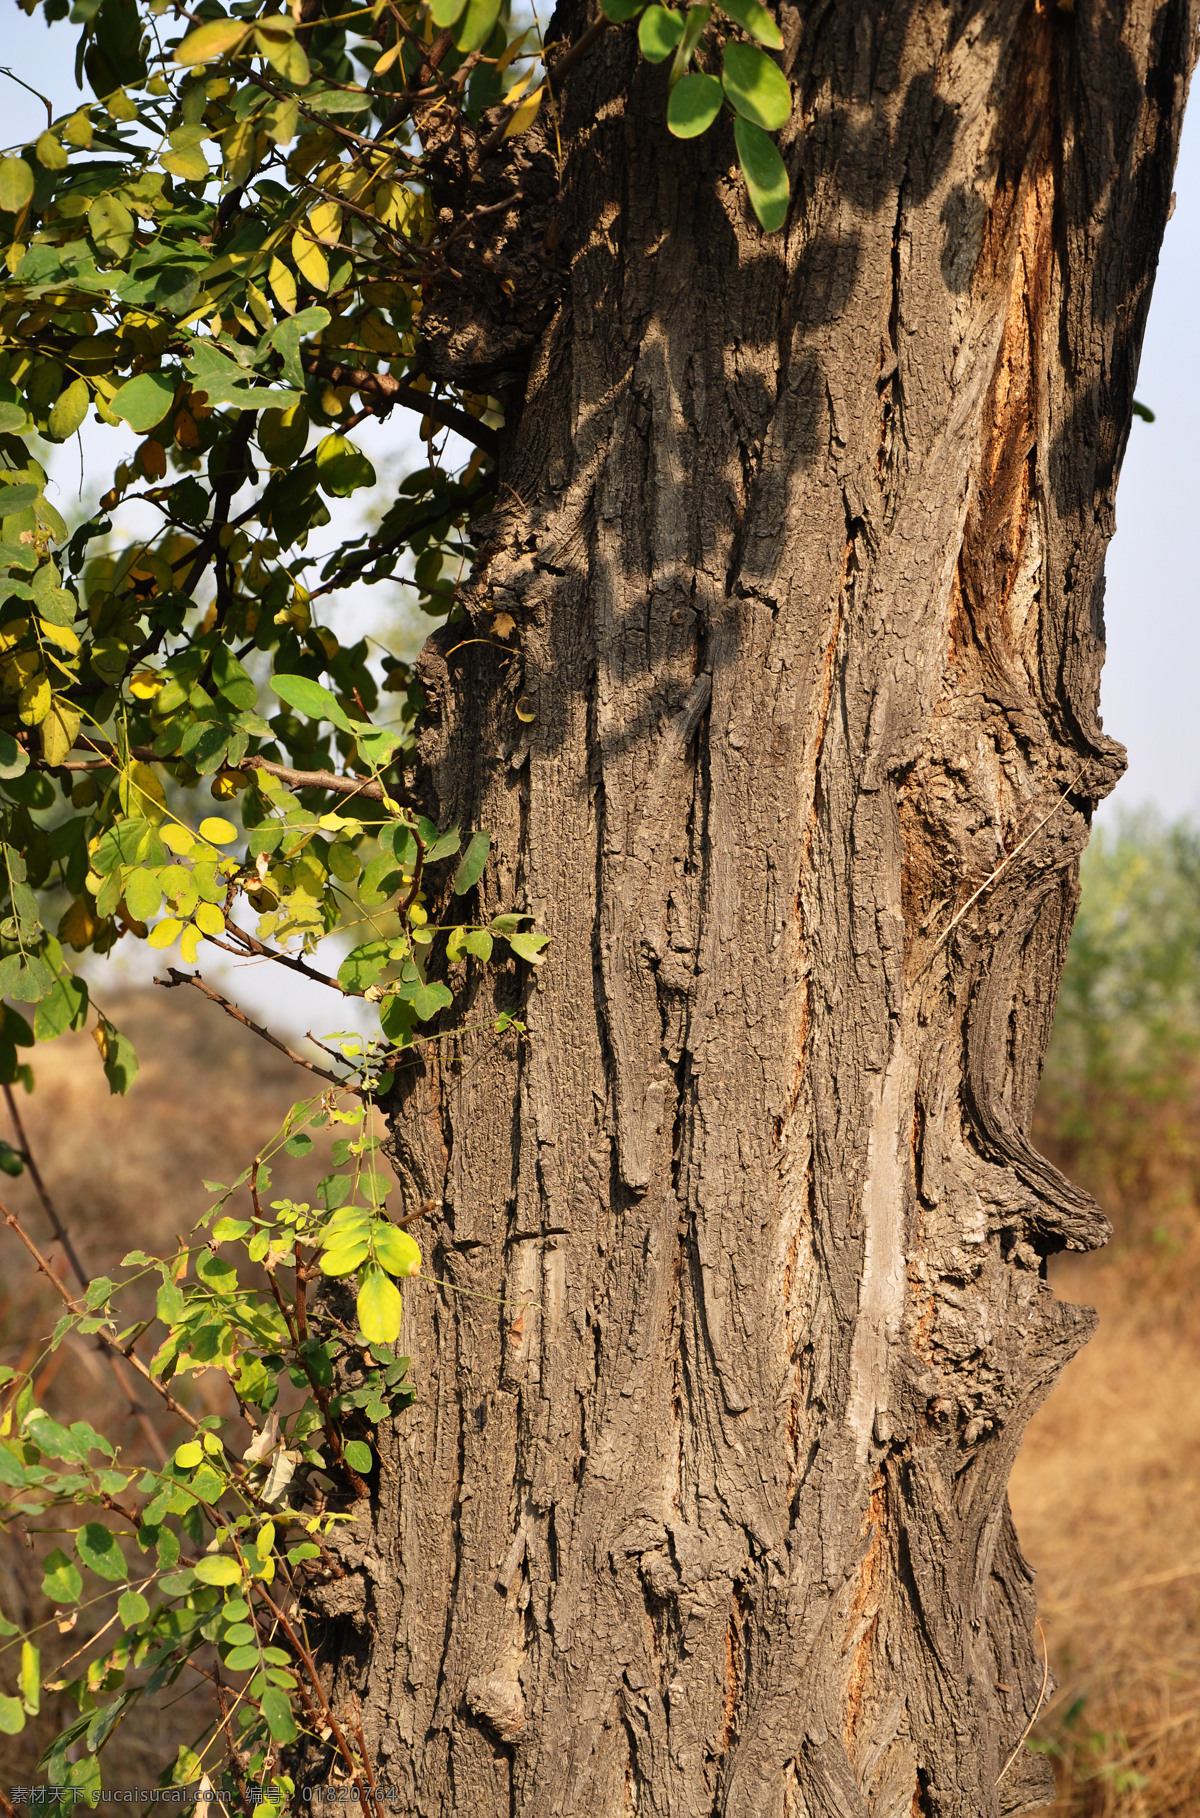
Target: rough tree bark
point(803, 539)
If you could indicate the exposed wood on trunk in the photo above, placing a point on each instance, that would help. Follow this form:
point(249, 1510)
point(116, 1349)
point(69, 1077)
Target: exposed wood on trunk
point(804, 545)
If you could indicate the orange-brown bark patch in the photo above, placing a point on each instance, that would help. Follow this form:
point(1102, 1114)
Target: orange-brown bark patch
point(859, 1676)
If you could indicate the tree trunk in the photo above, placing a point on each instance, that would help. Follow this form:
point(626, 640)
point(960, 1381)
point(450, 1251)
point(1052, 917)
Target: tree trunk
point(702, 1507)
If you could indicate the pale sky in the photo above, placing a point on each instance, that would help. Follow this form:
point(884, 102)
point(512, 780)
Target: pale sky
point(1152, 676)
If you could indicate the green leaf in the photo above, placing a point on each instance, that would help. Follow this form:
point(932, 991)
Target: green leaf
point(12, 1473)
point(309, 697)
point(475, 25)
point(233, 681)
point(120, 1060)
point(218, 1568)
point(63, 1008)
point(144, 402)
point(12, 1711)
point(61, 1582)
point(766, 178)
point(693, 31)
point(470, 867)
point(342, 467)
point(143, 895)
point(277, 1709)
point(445, 12)
point(14, 759)
point(757, 88)
point(396, 1251)
point(132, 1608)
point(99, 1548)
point(344, 1259)
point(756, 20)
point(379, 1308)
point(242, 1660)
point(16, 184)
point(227, 1230)
point(529, 946)
point(479, 942)
point(659, 33)
point(169, 1303)
point(694, 105)
point(68, 411)
point(426, 1000)
point(358, 1455)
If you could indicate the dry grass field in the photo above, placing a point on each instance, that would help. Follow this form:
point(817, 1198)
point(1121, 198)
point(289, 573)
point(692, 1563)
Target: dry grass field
point(1106, 1491)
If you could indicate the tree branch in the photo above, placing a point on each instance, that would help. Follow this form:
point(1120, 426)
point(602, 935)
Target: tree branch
point(239, 1016)
point(389, 391)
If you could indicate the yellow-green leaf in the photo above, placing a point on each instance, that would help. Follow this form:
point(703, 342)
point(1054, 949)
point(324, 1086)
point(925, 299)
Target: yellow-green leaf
point(398, 1253)
point(49, 152)
point(283, 285)
point(526, 114)
point(217, 1568)
point(326, 222)
point(209, 920)
point(165, 932)
point(282, 52)
point(62, 635)
point(217, 830)
point(189, 945)
point(177, 838)
point(33, 702)
point(141, 793)
point(78, 130)
point(379, 1309)
point(215, 39)
point(16, 184)
point(31, 1678)
point(58, 730)
point(68, 410)
point(111, 227)
point(143, 895)
point(311, 262)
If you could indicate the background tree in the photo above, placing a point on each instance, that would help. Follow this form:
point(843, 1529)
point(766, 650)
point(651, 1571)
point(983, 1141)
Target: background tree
point(773, 682)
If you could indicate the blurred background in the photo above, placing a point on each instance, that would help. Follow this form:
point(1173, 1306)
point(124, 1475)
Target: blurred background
point(1107, 1487)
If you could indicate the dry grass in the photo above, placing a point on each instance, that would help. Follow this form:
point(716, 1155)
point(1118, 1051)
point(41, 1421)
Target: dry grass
point(1105, 1491)
point(1107, 1486)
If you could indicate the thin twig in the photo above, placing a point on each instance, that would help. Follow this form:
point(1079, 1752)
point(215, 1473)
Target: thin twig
point(303, 1655)
point(239, 1016)
point(1023, 1737)
point(35, 1174)
point(80, 1311)
point(63, 1238)
point(989, 881)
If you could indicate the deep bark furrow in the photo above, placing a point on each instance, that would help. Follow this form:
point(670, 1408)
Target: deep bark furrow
point(804, 545)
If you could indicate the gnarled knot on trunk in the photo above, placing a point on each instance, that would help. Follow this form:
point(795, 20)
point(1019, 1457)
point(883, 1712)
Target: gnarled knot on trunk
point(497, 1699)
